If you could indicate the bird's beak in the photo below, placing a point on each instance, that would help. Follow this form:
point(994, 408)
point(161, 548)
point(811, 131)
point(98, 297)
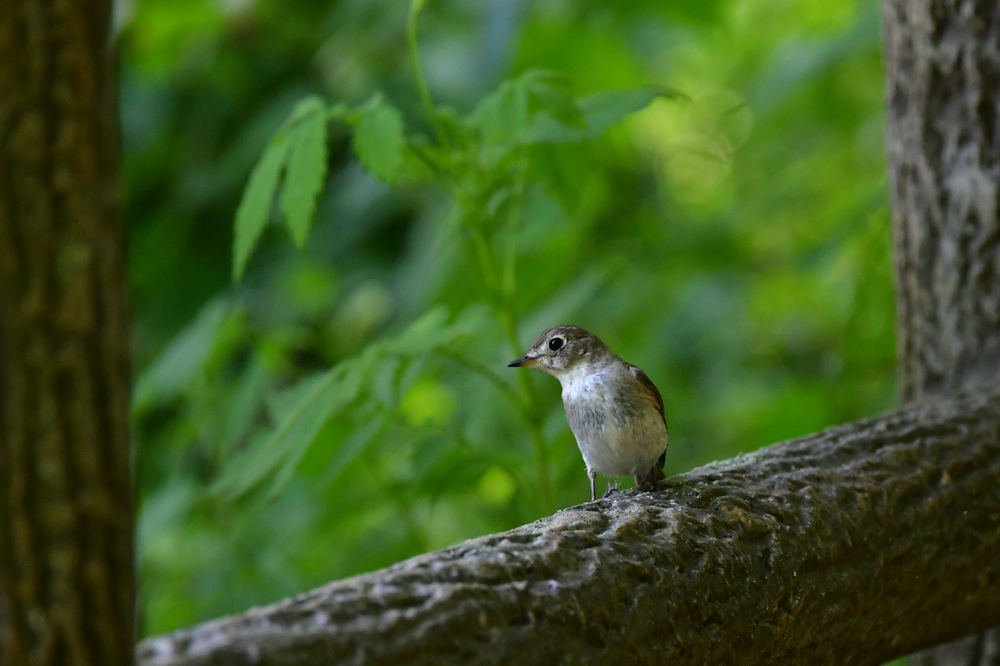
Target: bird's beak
point(523, 362)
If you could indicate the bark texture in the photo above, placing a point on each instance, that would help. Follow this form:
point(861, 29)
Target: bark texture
point(842, 547)
point(66, 572)
point(943, 105)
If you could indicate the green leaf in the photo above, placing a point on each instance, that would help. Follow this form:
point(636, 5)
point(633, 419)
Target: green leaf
point(306, 169)
point(600, 111)
point(302, 411)
point(609, 107)
point(351, 447)
point(184, 358)
point(552, 93)
point(502, 116)
point(378, 139)
point(431, 332)
point(451, 126)
point(300, 414)
point(246, 398)
point(255, 207)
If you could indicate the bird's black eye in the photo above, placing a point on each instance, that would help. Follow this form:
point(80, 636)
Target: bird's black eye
point(555, 344)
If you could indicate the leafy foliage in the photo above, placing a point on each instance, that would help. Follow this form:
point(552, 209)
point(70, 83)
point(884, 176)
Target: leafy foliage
point(306, 169)
point(345, 404)
point(255, 209)
point(479, 159)
point(301, 411)
point(378, 139)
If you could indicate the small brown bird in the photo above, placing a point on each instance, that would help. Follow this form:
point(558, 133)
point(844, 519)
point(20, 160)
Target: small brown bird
point(613, 409)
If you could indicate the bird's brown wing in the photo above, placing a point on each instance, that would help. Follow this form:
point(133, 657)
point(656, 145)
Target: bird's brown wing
point(650, 387)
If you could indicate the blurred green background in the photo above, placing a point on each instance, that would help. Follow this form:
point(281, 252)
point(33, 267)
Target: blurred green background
point(735, 246)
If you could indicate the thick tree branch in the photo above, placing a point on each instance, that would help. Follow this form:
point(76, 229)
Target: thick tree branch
point(842, 547)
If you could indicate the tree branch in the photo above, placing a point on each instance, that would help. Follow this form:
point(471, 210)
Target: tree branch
point(846, 546)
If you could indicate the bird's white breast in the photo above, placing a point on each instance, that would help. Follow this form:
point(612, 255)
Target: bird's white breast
point(618, 427)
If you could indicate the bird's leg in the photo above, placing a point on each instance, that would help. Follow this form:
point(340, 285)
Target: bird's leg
point(592, 475)
point(612, 489)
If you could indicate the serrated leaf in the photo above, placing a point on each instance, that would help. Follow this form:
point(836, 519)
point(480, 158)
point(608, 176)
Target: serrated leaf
point(306, 170)
point(244, 402)
point(301, 411)
point(305, 108)
point(255, 206)
point(431, 332)
point(346, 451)
point(378, 139)
point(300, 414)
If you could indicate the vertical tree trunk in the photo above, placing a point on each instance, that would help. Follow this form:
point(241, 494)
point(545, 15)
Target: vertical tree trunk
point(943, 117)
point(66, 571)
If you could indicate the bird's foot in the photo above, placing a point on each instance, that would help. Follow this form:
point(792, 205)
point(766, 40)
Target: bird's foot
point(612, 489)
point(647, 482)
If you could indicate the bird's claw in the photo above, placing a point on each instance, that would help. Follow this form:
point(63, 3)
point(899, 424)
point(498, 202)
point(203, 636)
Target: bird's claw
point(612, 489)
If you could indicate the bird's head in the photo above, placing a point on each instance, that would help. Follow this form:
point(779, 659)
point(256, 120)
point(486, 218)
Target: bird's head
point(561, 350)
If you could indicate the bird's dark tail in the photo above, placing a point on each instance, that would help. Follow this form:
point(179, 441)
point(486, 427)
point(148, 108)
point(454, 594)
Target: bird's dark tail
point(656, 473)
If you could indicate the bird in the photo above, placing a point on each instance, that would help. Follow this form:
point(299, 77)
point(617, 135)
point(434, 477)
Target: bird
point(614, 410)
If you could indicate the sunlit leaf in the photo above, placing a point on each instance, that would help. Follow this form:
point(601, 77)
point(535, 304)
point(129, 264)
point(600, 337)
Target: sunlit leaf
point(306, 169)
point(378, 139)
point(600, 111)
point(255, 206)
point(603, 109)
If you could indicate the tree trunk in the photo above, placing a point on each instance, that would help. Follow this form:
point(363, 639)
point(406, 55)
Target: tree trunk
point(66, 570)
point(842, 547)
point(943, 103)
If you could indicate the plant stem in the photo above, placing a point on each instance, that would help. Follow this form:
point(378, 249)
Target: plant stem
point(418, 71)
point(485, 257)
point(503, 307)
point(515, 399)
point(508, 321)
point(510, 232)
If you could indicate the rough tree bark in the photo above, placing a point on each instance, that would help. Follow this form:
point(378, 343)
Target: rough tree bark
point(66, 573)
point(943, 102)
point(843, 547)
